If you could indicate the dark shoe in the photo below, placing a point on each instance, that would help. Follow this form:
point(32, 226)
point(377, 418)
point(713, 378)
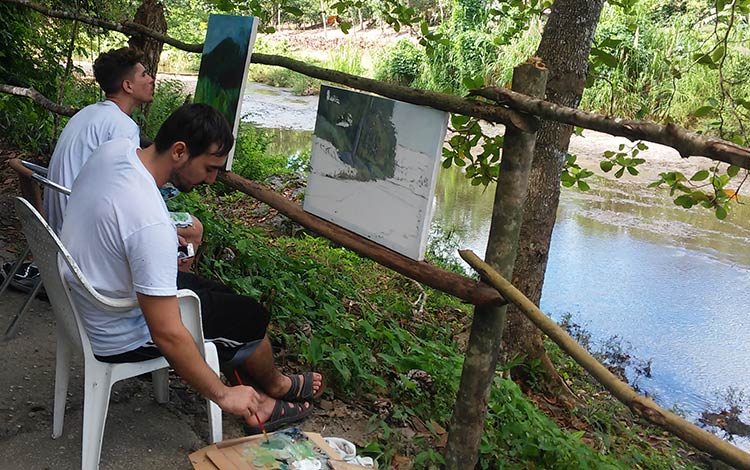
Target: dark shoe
point(25, 279)
point(292, 412)
point(302, 388)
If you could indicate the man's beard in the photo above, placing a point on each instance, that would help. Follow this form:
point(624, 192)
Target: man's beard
point(179, 183)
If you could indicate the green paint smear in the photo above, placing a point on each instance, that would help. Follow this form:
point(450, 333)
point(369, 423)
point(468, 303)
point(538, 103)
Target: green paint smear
point(281, 450)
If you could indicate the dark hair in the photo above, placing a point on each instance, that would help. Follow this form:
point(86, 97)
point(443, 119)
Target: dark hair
point(113, 67)
point(199, 125)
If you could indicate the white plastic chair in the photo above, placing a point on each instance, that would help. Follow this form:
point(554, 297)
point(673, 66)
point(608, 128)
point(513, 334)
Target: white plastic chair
point(51, 258)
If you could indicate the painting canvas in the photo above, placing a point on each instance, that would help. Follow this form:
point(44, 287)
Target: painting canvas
point(374, 164)
point(224, 66)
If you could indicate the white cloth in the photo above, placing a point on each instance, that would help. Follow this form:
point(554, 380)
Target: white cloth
point(87, 129)
point(118, 230)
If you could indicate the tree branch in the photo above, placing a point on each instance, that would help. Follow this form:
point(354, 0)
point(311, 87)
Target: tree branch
point(441, 101)
point(38, 98)
point(126, 27)
point(458, 286)
point(684, 141)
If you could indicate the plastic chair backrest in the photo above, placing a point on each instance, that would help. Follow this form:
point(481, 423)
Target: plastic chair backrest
point(53, 260)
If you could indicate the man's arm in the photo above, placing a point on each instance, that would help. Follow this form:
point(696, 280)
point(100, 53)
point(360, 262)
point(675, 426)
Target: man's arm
point(176, 343)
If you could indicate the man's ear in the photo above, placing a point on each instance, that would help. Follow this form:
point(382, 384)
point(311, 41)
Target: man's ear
point(127, 86)
point(179, 152)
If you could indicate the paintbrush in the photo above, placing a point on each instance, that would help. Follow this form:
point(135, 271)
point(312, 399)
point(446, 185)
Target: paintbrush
point(262, 428)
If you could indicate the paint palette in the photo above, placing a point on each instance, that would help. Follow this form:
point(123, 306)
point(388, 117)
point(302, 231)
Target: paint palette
point(290, 449)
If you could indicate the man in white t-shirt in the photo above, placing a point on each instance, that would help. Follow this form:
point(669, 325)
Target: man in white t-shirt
point(118, 230)
point(126, 85)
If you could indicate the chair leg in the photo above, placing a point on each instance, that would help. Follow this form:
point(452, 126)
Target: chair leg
point(214, 412)
point(14, 269)
point(98, 383)
point(11, 331)
point(160, 380)
point(62, 378)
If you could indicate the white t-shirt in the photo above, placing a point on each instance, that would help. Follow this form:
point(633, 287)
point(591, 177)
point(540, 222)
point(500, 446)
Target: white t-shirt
point(118, 230)
point(86, 130)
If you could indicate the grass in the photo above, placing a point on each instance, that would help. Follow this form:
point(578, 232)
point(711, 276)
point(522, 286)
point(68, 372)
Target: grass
point(365, 327)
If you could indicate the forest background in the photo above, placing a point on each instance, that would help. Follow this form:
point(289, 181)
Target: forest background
point(665, 61)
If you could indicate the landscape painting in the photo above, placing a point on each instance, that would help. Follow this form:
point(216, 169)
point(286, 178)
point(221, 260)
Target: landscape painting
point(224, 65)
point(374, 163)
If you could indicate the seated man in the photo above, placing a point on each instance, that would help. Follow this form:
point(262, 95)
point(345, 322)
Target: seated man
point(118, 230)
point(126, 85)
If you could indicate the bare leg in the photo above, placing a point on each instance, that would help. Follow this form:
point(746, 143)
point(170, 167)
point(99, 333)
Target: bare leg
point(260, 369)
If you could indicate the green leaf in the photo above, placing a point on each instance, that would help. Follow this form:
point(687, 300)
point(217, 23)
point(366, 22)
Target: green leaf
point(703, 111)
point(424, 28)
point(567, 179)
point(292, 10)
point(721, 213)
point(733, 170)
point(459, 120)
point(704, 59)
point(472, 83)
point(632, 170)
point(700, 176)
point(447, 162)
point(684, 201)
point(718, 53)
point(606, 166)
point(583, 186)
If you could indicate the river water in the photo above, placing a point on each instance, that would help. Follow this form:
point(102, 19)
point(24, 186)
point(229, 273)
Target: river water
point(670, 284)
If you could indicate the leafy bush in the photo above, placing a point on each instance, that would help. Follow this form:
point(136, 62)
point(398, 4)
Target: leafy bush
point(168, 96)
point(401, 64)
point(251, 160)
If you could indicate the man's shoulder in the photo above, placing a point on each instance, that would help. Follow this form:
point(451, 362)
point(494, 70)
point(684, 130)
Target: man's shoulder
point(104, 114)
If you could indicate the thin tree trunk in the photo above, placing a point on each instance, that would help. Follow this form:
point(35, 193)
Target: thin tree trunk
point(467, 424)
point(151, 15)
point(66, 75)
point(325, 19)
point(564, 48)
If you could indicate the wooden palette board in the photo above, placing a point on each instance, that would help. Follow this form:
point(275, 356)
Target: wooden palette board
point(230, 455)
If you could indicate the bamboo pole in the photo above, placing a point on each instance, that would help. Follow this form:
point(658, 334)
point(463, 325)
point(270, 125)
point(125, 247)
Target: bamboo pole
point(640, 405)
point(454, 284)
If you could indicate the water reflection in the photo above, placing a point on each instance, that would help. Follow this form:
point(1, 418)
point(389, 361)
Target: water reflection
point(288, 142)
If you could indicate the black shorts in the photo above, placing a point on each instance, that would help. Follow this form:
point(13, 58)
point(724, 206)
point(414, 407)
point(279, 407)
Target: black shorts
point(235, 323)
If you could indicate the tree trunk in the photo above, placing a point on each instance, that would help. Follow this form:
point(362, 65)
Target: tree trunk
point(325, 18)
point(63, 80)
point(467, 424)
point(564, 49)
point(151, 15)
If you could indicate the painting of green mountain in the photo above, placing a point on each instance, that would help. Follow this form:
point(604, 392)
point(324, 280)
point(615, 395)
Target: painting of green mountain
point(223, 70)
